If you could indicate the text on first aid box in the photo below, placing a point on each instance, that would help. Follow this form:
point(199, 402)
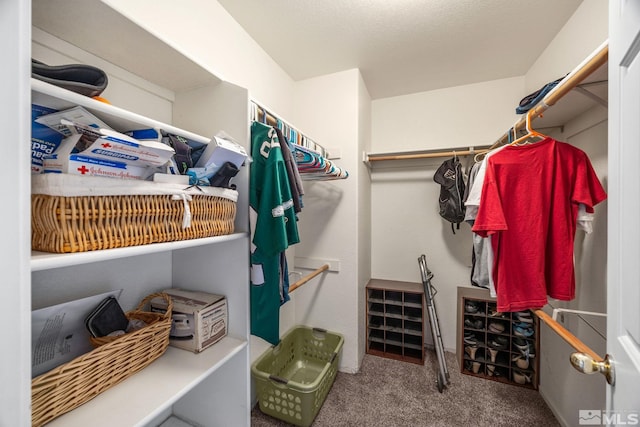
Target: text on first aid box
point(63, 161)
point(199, 318)
point(112, 145)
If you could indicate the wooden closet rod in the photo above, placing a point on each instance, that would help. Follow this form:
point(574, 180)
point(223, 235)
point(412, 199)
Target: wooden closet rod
point(447, 152)
point(421, 156)
point(308, 277)
point(571, 339)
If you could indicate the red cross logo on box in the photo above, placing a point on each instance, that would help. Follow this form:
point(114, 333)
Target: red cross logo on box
point(83, 170)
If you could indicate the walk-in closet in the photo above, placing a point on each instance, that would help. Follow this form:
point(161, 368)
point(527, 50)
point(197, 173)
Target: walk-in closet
point(247, 213)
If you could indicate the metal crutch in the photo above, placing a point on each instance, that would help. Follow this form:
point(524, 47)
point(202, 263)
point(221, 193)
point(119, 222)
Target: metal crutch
point(430, 292)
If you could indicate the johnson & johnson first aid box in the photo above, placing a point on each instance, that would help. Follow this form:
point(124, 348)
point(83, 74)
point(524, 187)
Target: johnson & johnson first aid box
point(199, 318)
point(63, 161)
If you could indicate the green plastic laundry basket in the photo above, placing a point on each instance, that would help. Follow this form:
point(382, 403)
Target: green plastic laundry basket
point(293, 378)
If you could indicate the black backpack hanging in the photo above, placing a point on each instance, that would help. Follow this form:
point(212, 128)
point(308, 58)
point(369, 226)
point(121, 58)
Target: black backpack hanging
point(451, 201)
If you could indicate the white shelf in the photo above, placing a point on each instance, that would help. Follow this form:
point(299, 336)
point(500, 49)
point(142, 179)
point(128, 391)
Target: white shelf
point(207, 388)
point(146, 394)
point(48, 95)
point(46, 260)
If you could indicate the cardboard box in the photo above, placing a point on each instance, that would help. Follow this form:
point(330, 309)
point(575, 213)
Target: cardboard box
point(63, 161)
point(111, 145)
point(222, 149)
point(199, 318)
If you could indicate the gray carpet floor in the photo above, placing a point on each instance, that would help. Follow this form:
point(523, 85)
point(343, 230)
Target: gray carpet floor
point(390, 393)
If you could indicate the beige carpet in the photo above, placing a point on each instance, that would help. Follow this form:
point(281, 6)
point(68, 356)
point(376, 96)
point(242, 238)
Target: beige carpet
point(389, 393)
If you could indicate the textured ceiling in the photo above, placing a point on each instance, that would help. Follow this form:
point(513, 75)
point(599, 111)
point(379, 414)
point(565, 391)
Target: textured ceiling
point(404, 46)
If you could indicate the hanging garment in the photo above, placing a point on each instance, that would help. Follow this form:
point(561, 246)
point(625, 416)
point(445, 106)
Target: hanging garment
point(529, 207)
point(483, 263)
point(312, 165)
point(284, 278)
point(295, 183)
point(479, 258)
point(452, 190)
point(274, 228)
point(482, 260)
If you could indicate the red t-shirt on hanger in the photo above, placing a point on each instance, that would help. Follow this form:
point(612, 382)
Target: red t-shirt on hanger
point(529, 207)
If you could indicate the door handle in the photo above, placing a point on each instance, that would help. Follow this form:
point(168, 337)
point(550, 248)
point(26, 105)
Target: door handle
point(588, 365)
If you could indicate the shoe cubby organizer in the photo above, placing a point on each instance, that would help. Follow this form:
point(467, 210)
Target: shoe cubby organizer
point(395, 319)
point(501, 347)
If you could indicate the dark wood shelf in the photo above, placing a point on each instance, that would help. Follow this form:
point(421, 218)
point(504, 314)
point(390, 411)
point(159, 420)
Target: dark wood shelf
point(395, 320)
point(503, 363)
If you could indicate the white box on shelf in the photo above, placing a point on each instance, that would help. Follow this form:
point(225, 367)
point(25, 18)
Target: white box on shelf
point(112, 145)
point(62, 161)
point(220, 150)
point(199, 318)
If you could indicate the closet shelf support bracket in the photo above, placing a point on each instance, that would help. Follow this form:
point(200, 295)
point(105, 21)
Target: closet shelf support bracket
point(554, 315)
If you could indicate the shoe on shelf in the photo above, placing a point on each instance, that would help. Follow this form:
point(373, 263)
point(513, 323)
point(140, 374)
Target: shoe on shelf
point(473, 323)
point(520, 361)
point(493, 353)
point(470, 338)
point(523, 316)
point(471, 307)
point(492, 372)
point(471, 351)
point(496, 327)
point(493, 312)
point(472, 366)
point(523, 325)
point(498, 342)
point(523, 330)
point(524, 347)
point(468, 365)
point(520, 377)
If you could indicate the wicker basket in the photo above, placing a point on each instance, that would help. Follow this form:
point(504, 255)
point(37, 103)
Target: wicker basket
point(101, 218)
point(80, 380)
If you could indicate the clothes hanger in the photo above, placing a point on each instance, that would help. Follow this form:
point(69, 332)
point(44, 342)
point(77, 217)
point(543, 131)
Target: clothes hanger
point(482, 154)
point(531, 133)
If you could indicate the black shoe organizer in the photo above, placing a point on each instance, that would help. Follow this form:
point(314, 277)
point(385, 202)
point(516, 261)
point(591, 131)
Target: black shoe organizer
point(489, 343)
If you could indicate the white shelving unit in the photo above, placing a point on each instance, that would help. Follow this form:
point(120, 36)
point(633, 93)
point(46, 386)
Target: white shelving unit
point(211, 388)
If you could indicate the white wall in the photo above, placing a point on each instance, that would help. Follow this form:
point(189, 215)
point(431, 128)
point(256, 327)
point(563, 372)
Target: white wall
point(469, 115)
point(364, 211)
point(329, 224)
point(581, 35)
